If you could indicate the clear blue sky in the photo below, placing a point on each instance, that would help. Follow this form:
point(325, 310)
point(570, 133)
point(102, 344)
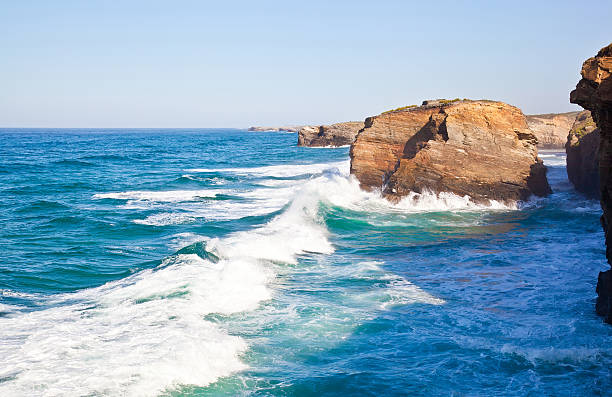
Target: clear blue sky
point(241, 63)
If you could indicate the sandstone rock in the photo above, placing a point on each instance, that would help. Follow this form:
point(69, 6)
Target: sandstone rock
point(594, 92)
point(483, 149)
point(339, 134)
point(582, 155)
point(551, 129)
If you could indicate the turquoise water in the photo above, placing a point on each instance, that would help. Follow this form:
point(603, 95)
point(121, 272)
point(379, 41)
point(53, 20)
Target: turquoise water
point(222, 262)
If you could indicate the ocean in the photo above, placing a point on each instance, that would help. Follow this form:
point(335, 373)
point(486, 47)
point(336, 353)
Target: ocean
point(199, 262)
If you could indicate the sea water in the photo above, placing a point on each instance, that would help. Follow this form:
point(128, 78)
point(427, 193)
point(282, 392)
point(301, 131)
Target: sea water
point(225, 262)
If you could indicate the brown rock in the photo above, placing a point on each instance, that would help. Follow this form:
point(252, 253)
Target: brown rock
point(582, 155)
point(339, 134)
point(594, 92)
point(551, 129)
point(483, 149)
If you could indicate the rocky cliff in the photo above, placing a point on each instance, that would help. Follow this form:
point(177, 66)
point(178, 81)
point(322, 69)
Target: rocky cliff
point(483, 149)
point(594, 92)
point(339, 134)
point(551, 129)
point(582, 155)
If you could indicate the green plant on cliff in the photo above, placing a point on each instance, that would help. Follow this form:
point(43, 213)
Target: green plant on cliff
point(583, 128)
point(400, 108)
point(447, 101)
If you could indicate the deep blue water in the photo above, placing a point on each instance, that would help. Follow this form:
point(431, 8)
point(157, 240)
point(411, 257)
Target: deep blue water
point(223, 262)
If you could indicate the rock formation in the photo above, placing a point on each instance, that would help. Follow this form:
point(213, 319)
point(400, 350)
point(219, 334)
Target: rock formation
point(551, 129)
point(594, 92)
point(339, 134)
point(582, 155)
point(483, 149)
point(275, 129)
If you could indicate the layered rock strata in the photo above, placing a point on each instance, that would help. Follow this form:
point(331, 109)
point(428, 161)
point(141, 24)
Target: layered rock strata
point(594, 92)
point(582, 155)
point(551, 129)
point(483, 149)
point(339, 134)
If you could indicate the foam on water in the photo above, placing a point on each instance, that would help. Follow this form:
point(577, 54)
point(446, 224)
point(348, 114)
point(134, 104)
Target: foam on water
point(136, 336)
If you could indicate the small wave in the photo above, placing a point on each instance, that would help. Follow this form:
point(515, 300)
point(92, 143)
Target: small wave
point(390, 289)
point(280, 171)
point(554, 354)
point(553, 159)
point(71, 162)
point(43, 205)
point(166, 219)
point(161, 196)
point(104, 157)
point(208, 180)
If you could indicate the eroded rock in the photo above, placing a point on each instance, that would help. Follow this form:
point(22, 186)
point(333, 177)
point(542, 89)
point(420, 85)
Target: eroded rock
point(483, 149)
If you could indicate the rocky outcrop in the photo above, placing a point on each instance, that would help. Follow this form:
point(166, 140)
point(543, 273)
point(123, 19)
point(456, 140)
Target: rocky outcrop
point(551, 129)
point(483, 149)
point(582, 155)
point(594, 92)
point(339, 134)
point(275, 129)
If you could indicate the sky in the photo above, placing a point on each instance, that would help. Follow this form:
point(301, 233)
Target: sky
point(164, 64)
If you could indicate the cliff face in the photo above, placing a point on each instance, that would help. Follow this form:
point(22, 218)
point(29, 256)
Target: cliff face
point(339, 134)
point(483, 149)
point(594, 92)
point(551, 129)
point(582, 155)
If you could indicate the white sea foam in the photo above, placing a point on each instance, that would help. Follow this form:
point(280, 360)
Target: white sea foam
point(136, 336)
point(343, 191)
